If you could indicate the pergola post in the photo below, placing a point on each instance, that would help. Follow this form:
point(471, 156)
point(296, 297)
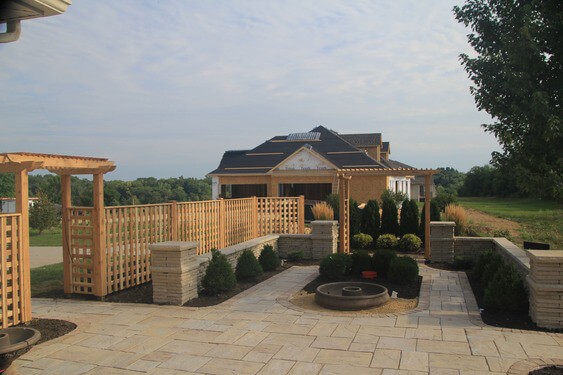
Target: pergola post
point(99, 256)
point(22, 207)
point(427, 197)
point(66, 203)
point(344, 210)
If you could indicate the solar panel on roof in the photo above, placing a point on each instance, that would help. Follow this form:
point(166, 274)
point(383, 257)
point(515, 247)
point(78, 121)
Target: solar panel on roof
point(310, 136)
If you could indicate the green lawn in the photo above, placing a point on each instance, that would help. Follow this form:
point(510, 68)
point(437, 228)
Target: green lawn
point(541, 220)
point(47, 281)
point(50, 237)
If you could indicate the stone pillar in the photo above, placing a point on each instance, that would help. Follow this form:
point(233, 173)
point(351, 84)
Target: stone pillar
point(325, 238)
point(441, 241)
point(174, 269)
point(545, 286)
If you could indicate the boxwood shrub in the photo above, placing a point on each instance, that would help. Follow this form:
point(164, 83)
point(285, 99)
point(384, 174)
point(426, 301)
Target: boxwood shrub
point(381, 260)
point(410, 243)
point(506, 291)
point(387, 241)
point(361, 241)
point(361, 261)
point(403, 270)
point(335, 266)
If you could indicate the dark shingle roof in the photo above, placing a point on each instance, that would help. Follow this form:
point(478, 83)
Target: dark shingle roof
point(362, 140)
point(269, 154)
point(385, 147)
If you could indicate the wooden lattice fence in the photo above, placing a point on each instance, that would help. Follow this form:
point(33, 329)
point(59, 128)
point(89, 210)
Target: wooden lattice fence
point(15, 294)
point(127, 231)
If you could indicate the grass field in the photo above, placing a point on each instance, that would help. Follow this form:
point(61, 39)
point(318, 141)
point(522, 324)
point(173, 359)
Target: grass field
point(50, 237)
point(46, 279)
point(541, 220)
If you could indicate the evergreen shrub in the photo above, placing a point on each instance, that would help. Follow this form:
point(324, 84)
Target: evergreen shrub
point(219, 275)
point(403, 270)
point(269, 259)
point(382, 259)
point(335, 266)
point(506, 291)
point(462, 263)
point(410, 243)
point(371, 219)
point(355, 218)
point(409, 217)
point(361, 261)
point(387, 241)
point(361, 241)
point(487, 265)
point(389, 216)
point(295, 256)
point(248, 267)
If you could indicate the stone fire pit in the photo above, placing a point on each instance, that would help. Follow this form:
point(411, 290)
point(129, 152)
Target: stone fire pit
point(351, 295)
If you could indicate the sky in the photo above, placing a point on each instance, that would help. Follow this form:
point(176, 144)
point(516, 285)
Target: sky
point(164, 88)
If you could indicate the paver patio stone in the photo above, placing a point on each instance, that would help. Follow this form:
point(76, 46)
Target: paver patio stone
point(259, 331)
point(342, 357)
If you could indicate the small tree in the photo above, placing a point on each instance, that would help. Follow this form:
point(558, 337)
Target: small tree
point(389, 223)
point(43, 214)
point(371, 220)
point(409, 217)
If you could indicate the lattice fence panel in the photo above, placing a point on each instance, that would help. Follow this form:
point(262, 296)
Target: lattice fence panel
point(201, 221)
point(279, 215)
point(239, 220)
point(11, 270)
point(81, 240)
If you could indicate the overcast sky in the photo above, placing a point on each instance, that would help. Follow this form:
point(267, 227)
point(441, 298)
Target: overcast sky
point(163, 88)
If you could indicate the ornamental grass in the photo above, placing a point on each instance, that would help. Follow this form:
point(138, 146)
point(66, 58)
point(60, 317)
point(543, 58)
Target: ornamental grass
point(322, 211)
point(458, 215)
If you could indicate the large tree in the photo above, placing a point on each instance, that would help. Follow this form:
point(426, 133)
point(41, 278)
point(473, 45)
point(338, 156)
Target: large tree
point(517, 80)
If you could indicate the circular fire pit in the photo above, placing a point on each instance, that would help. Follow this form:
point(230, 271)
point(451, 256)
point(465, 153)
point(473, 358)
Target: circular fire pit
point(351, 295)
point(15, 341)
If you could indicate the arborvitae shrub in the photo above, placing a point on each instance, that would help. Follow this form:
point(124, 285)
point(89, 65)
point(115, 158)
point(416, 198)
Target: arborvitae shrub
point(434, 216)
point(506, 291)
point(483, 260)
point(248, 267)
point(410, 242)
point(389, 219)
point(269, 259)
point(219, 276)
point(355, 218)
point(335, 266)
point(371, 220)
point(409, 217)
point(403, 270)
point(387, 241)
point(361, 241)
point(295, 256)
point(333, 200)
point(361, 261)
point(382, 259)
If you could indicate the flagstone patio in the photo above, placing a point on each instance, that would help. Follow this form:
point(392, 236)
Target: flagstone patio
point(260, 332)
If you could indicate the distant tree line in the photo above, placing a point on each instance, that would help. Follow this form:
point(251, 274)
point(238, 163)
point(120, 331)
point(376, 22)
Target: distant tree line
point(116, 192)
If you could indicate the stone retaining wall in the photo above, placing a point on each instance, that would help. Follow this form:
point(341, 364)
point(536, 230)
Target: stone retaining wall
point(542, 269)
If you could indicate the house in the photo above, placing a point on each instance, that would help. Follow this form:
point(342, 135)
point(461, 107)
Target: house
point(309, 164)
point(418, 189)
point(8, 205)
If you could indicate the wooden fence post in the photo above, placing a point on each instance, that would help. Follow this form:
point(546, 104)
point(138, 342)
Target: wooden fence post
point(174, 221)
point(99, 251)
point(22, 207)
point(427, 198)
point(301, 214)
point(222, 223)
point(66, 205)
point(255, 233)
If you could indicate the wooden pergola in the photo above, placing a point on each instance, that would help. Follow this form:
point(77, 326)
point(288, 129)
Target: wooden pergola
point(21, 163)
point(346, 174)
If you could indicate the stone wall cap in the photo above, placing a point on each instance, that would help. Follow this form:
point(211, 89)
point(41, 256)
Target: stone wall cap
point(548, 256)
point(324, 222)
point(173, 245)
point(442, 223)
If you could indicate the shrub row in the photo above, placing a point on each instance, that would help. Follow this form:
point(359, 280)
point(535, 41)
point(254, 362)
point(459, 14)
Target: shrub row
point(220, 276)
point(399, 269)
point(409, 242)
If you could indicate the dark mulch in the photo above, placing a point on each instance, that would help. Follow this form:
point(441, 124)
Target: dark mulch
point(502, 319)
point(550, 370)
point(50, 328)
point(406, 291)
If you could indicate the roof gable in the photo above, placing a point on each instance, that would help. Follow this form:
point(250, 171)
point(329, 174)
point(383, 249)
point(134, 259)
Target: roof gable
point(305, 159)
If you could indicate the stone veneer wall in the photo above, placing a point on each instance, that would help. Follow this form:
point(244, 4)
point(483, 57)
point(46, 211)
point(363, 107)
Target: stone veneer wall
point(542, 269)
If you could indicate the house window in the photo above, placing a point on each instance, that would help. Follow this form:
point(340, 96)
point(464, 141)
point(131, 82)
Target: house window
point(316, 192)
point(244, 191)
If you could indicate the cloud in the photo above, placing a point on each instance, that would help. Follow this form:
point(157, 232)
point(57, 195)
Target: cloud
point(166, 87)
